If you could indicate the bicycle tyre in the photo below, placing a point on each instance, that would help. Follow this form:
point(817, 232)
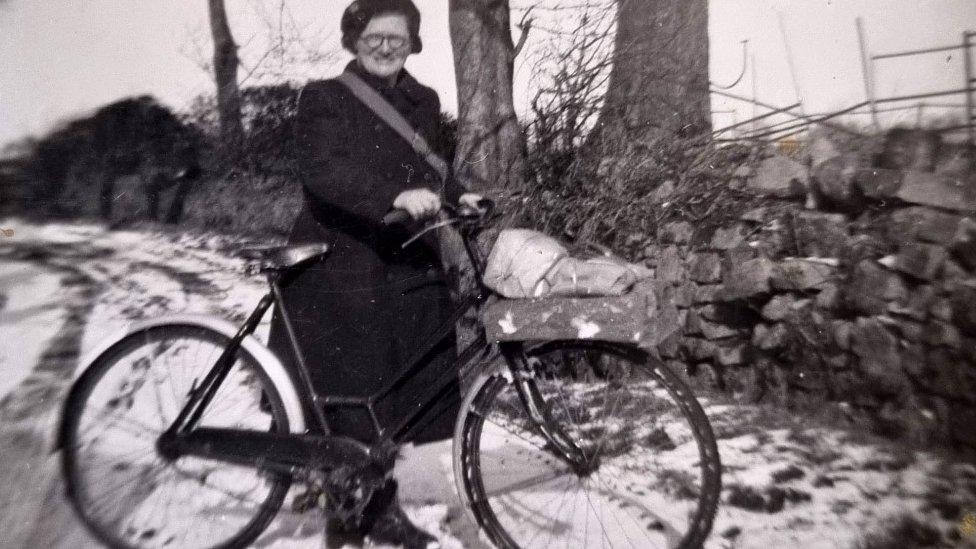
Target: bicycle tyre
point(500, 459)
point(205, 497)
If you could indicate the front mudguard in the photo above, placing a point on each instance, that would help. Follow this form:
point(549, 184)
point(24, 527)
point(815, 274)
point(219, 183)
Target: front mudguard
point(265, 358)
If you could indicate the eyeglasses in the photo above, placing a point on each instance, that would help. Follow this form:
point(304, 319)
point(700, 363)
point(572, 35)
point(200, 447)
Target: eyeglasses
point(374, 41)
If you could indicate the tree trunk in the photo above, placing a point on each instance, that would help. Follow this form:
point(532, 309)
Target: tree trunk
point(658, 86)
point(225, 64)
point(490, 153)
point(490, 150)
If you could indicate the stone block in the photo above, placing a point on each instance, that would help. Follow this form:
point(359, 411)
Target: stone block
point(940, 334)
point(676, 232)
point(714, 330)
point(842, 330)
point(839, 361)
point(783, 306)
point(683, 294)
point(963, 244)
point(767, 338)
point(693, 324)
point(727, 238)
point(829, 296)
point(670, 267)
point(865, 246)
point(730, 354)
point(800, 274)
point(923, 224)
point(911, 330)
point(923, 261)
point(919, 302)
point(705, 267)
point(747, 279)
point(877, 182)
point(735, 256)
point(871, 287)
point(941, 309)
point(708, 312)
point(780, 177)
point(955, 193)
point(705, 293)
point(669, 346)
point(952, 271)
point(963, 303)
point(820, 149)
point(877, 350)
point(821, 234)
point(698, 349)
point(834, 179)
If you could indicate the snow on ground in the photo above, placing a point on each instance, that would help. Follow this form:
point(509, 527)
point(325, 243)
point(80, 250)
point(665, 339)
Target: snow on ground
point(30, 316)
point(64, 288)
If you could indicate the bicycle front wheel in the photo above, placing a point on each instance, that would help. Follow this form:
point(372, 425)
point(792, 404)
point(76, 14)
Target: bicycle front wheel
point(652, 475)
point(126, 492)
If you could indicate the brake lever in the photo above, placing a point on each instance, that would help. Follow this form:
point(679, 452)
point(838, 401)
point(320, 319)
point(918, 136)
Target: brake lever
point(427, 229)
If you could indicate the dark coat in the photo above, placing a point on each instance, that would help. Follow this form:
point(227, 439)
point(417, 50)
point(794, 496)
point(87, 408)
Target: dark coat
point(363, 312)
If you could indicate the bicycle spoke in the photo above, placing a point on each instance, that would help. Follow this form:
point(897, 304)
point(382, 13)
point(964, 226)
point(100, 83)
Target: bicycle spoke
point(621, 414)
point(506, 429)
point(527, 483)
point(128, 494)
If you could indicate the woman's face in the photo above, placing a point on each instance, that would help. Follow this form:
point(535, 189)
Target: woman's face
point(384, 45)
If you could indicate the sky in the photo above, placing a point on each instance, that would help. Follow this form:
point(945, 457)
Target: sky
point(63, 58)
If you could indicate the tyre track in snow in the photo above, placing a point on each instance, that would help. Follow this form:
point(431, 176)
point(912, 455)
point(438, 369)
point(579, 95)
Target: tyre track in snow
point(111, 279)
point(27, 413)
point(33, 508)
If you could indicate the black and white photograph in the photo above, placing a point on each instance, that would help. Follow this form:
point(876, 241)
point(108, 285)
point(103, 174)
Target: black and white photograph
point(474, 274)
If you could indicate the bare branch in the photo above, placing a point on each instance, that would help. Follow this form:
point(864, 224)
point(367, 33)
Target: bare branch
point(526, 25)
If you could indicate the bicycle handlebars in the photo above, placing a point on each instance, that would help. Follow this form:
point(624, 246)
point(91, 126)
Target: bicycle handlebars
point(462, 212)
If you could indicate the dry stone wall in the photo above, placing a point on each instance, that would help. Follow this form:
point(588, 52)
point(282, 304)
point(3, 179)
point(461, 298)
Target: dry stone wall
point(869, 302)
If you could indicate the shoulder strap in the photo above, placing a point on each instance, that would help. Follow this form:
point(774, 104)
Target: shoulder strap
point(394, 119)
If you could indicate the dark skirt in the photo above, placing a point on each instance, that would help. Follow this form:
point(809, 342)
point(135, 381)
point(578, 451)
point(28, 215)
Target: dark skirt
point(359, 322)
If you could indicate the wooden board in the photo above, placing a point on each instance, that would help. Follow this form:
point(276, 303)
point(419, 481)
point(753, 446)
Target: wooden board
point(624, 319)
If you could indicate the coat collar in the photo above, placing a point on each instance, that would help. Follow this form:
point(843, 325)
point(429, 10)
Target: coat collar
point(406, 84)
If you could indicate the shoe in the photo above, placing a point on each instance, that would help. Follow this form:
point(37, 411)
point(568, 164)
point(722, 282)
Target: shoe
point(384, 522)
point(339, 534)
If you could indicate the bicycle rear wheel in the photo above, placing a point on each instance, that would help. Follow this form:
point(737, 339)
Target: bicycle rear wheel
point(654, 475)
point(123, 489)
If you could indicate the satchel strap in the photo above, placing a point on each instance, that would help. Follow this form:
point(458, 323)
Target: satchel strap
point(365, 93)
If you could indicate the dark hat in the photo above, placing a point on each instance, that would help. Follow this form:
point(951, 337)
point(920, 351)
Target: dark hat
point(359, 13)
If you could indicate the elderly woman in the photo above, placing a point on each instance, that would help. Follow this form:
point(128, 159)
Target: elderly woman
point(361, 314)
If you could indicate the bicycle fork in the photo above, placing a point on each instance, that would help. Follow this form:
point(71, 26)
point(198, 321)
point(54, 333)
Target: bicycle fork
point(562, 445)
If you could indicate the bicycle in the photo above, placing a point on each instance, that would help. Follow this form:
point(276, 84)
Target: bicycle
point(189, 432)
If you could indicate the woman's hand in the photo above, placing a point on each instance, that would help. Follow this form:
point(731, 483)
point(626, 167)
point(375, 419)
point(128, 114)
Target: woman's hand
point(470, 200)
point(419, 203)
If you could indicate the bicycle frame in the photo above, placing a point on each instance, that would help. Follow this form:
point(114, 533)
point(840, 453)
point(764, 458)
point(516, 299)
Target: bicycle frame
point(289, 453)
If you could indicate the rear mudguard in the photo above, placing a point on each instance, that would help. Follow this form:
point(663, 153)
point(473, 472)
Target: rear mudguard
point(265, 358)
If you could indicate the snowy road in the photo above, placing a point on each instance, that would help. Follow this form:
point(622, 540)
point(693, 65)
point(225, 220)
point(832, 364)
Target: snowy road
point(66, 287)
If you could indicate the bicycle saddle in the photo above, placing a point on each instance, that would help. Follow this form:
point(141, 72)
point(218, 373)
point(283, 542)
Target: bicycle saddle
point(280, 258)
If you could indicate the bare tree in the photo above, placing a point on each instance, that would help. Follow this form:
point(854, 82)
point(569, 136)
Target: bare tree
point(490, 151)
point(571, 69)
point(658, 85)
point(225, 63)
